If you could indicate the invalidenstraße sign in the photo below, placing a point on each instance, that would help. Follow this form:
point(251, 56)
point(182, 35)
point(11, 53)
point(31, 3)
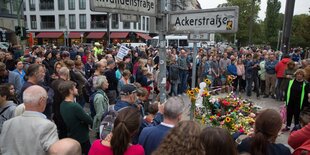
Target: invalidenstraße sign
point(141, 7)
point(219, 20)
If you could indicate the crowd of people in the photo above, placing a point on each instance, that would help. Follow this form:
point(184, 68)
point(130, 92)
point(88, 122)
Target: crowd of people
point(51, 98)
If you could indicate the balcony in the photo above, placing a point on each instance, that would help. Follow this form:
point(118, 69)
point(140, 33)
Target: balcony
point(98, 24)
point(47, 5)
point(47, 25)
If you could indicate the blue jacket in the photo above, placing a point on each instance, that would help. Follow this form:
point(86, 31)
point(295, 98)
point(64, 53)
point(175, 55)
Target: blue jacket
point(151, 137)
point(122, 104)
point(232, 69)
point(270, 67)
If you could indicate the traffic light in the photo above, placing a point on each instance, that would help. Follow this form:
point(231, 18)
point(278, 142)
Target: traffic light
point(17, 30)
point(24, 34)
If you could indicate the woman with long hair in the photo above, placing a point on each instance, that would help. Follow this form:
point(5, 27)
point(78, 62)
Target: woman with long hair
point(126, 125)
point(183, 139)
point(268, 123)
point(217, 141)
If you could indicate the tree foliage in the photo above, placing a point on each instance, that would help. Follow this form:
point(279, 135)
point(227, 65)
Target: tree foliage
point(300, 35)
point(272, 23)
point(245, 12)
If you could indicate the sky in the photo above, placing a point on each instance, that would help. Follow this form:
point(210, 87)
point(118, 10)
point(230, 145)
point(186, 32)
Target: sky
point(301, 6)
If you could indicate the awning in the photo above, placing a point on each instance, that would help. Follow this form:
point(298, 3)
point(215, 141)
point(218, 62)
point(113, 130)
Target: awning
point(118, 35)
point(49, 35)
point(95, 35)
point(144, 36)
point(74, 35)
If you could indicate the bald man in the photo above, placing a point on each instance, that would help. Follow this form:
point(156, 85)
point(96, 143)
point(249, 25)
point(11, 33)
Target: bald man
point(66, 146)
point(30, 133)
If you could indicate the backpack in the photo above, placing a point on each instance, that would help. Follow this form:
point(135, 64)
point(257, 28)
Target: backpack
point(304, 149)
point(107, 122)
point(174, 72)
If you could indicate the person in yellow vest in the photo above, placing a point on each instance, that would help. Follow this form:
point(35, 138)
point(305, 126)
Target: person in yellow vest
point(296, 98)
point(97, 49)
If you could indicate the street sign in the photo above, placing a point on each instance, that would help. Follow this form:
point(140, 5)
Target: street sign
point(141, 7)
point(219, 20)
point(199, 37)
point(129, 18)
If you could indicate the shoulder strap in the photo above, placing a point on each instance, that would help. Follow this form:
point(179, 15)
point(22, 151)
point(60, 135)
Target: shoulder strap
point(5, 109)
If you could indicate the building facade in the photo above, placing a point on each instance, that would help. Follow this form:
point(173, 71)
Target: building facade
point(8, 19)
point(67, 22)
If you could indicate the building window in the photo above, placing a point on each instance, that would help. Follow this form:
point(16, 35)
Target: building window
point(135, 25)
point(114, 21)
point(24, 5)
point(82, 21)
point(147, 24)
point(98, 21)
point(82, 4)
point(33, 21)
point(71, 4)
point(46, 4)
point(139, 23)
point(72, 21)
point(61, 4)
point(126, 25)
point(62, 21)
point(32, 5)
point(47, 22)
point(143, 23)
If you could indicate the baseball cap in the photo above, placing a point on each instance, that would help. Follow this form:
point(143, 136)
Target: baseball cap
point(128, 89)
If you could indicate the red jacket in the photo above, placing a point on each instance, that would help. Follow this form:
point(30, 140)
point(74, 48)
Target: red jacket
point(305, 147)
point(299, 137)
point(281, 67)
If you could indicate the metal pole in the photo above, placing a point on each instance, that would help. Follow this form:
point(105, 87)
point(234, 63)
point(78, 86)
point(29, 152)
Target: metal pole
point(251, 22)
point(287, 25)
point(108, 29)
point(193, 76)
point(279, 40)
point(194, 65)
point(19, 23)
point(162, 79)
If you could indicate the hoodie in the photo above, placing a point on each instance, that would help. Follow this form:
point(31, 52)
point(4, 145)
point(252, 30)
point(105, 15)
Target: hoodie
point(8, 113)
point(281, 67)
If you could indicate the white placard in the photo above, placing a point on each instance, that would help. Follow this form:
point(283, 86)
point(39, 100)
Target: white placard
point(122, 52)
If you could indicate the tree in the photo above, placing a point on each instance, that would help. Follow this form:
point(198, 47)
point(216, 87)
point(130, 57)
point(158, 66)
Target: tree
point(272, 23)
point(300, 31)
point(245, 18)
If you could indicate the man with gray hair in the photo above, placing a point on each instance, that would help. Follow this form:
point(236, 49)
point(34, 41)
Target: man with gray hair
point(32, 132)
point(64, 75)
point(151, 137)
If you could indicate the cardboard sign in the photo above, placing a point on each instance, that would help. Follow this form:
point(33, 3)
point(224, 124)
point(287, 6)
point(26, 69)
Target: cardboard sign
point(122, 52)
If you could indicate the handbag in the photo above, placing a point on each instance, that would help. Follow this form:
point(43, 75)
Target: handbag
point(283, 113)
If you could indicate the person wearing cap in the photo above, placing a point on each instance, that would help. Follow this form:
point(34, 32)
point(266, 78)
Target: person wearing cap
point(296, 98)
point(97, 49)
point(128, 97)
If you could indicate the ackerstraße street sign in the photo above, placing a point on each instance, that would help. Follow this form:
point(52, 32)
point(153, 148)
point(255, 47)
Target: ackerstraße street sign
point(219, 20)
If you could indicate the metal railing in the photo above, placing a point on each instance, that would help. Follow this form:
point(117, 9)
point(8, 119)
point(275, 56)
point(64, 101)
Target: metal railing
point(47, 25)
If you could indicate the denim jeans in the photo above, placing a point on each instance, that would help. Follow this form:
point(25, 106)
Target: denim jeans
point(183, 80)
point(249, 83)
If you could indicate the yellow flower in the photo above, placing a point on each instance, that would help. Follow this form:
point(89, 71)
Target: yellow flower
point(193, 98)
point(191, 92)
point(227, 119)
point(207, 81)
point(196, 90)
point(205, 93)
